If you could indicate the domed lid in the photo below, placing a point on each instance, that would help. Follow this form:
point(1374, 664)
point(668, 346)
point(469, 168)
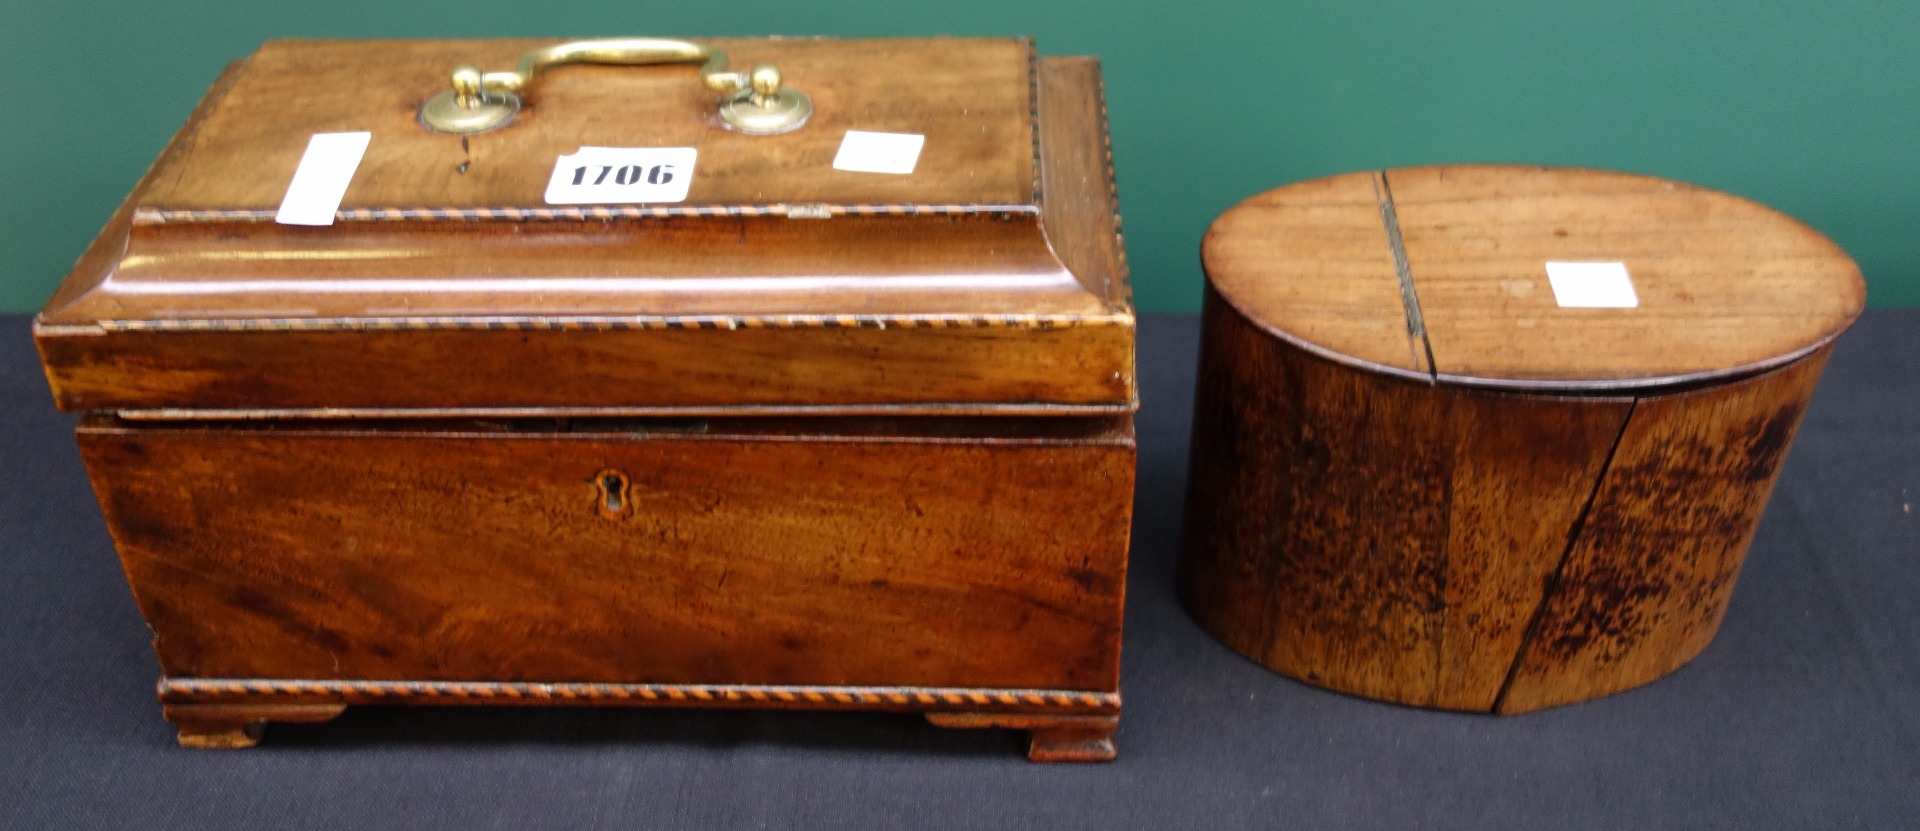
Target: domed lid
point(617, 247)
point(1532, 278)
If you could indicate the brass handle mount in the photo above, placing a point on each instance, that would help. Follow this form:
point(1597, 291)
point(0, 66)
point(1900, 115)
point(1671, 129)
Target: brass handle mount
point(753, 102)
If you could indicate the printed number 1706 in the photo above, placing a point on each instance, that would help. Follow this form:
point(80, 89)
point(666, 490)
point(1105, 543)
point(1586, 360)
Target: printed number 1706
point(632, 174)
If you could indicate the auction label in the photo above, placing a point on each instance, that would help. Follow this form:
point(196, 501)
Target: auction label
point(621, 176)
point(1592, 285)
point(320, 181)
point(865, 152)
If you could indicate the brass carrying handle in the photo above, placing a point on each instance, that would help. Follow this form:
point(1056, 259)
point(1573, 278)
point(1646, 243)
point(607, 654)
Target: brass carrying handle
point(752, 102)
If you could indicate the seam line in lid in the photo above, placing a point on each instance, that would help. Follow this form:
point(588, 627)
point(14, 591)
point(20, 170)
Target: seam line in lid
point(1409, 298)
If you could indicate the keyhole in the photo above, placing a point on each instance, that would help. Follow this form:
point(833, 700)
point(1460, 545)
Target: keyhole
point(612, 485)
point(615, 490)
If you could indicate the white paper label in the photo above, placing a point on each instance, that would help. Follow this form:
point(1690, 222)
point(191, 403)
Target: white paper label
point(1592, 285)
point(322, 177)
point(863, 152)
point(622, 175)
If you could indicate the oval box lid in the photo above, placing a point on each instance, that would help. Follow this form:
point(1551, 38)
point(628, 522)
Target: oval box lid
point(1532, 278)
point(491, 272)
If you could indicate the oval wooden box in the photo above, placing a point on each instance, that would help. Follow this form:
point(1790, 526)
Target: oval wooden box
point(1417, 477)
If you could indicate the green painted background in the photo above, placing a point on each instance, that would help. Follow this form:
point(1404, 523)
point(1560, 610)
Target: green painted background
point(1813, 107)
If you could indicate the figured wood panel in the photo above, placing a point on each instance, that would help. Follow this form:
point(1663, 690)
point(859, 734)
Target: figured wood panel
point(971, 98)
point(878, 266)
point(1079, 200)
point(1311, 263)
point(1316, 514)
point(311, 553)
point(853, 313)
point(1524, 470)
point(853, 368)
point(1646, 583)
point(433, 263)
point(1726, 287)
point(1435, 539)
point(657, 266)
point(1374, 536)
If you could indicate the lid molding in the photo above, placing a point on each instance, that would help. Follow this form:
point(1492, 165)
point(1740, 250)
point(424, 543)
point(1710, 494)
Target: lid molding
point(992, 306)
point(1724, 287)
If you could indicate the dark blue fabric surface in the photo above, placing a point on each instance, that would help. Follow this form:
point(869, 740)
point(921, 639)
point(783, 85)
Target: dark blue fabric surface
point(1805, 712)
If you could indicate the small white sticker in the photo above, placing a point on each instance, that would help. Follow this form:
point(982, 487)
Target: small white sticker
point(622, 175)
point(321, 180)
point(863, 152)
point(1592, 285)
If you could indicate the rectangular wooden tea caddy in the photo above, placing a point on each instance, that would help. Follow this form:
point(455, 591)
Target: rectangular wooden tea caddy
point(802, 436)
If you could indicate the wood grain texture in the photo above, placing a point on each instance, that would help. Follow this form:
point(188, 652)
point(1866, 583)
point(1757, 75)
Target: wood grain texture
point(811, 439)
point(1340, 591)
point(824, 369)
point(1726, 287)
point(971, 97)
point(233, 726)
point(1524, 468)
point(1311, 263)
point(905, 560)
point(1378, 537)
point(1080, 203)
point(168, 313)
point(1434, 539)
point(1051, 738)
point(295, 693)
point(665, 267)
point(1062, 726)
point(950, 565)
point(1647, 582)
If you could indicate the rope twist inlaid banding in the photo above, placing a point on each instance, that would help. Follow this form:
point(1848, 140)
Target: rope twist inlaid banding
point(1033, 116)
point(572, 324)
point(1113, 195)
point(229, 691)
point(581, 214)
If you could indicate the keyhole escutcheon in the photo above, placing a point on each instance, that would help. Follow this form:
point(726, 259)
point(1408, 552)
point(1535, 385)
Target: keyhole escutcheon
point(612, 498)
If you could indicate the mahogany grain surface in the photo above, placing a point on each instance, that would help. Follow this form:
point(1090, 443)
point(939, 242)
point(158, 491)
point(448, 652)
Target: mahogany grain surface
point(1726, 286)
point(754, 558)
point(294, 88)
point(811, 438)
point(1646, 582)
point(1554, 509)
point(990, 278)
point(1311, 257)
point(1797, 716)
